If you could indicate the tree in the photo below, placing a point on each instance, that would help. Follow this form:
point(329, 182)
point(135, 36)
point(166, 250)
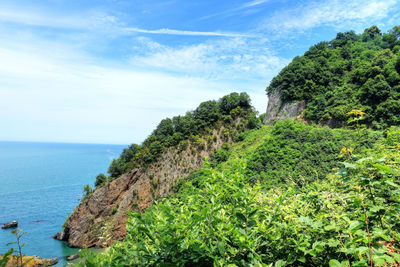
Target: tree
point(87, 190)
point(397, 66)
point(372, 32)
point(207, 113)
point(100, 179)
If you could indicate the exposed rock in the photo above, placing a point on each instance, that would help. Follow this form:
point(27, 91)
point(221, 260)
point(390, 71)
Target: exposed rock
point(72, 257)
point(12, 224)
point(30, 261)
point(277, 110)
point(102, 215)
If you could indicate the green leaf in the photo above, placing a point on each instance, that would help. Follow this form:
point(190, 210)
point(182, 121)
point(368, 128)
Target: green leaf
point(392, 184)
point(349, 165)
point(280, 263)
point(318, 247)
point(379, 261)
point(354, 226)
point(240, 216)
point(381, 233)
point(334, 263)
point(362, 250)
point(221, 247)
point(383, 168)
point(302, 259)
point(357, 202)
point(396, 256)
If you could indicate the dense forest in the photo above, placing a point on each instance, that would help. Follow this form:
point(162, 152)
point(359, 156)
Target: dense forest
point(353, 71)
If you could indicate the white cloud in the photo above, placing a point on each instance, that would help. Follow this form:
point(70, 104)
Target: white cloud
point(189, 33)
point(44, 18)
point(95, 21)
point(231, 59)
point(254, 3)
point(236, 10)
point(46, 96)
point(335, 13)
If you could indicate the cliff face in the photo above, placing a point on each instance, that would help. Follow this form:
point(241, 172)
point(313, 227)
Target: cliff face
point(101, 217)
point(277, 110)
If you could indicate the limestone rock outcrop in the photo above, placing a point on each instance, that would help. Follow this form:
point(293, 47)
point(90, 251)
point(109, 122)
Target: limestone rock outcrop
point(277, 110)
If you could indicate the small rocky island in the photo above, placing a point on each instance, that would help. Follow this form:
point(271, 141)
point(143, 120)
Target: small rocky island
point(8, 225)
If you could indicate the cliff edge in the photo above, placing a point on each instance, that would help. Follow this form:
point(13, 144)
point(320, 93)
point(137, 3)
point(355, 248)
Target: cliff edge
point(100, 217)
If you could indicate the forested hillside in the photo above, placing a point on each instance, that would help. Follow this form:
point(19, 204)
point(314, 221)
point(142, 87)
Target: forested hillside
point(292, 194)
point(288, 194)
point(147, 172)
point(177, 131)
point(353, 71)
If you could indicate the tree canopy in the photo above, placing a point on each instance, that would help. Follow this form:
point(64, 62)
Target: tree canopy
point(351, 71)
point(172, 131)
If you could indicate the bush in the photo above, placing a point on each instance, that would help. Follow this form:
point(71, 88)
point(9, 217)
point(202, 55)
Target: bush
point(100, 179)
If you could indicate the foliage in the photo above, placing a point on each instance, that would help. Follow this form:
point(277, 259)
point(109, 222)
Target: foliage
point(87, 190)
point(300, 153)
point(18, 260)
point(175, 131)
point(351, 71)
point(5, 257)
point(220, 155)
point(350, 216)
point(100, 179)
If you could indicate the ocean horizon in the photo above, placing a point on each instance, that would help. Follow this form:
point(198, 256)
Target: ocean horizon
point(40, 185)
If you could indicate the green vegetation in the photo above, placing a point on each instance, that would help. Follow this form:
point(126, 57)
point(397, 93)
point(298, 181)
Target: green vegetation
point(351, 71)
point(289, 194)
point(315, 201)
point(176, 131)
point(100, 179)
point(5, 259)
point(299, 153)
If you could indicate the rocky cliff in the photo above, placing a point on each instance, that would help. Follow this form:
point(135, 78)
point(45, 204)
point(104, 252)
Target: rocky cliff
point(277, 110)
point(100, 217)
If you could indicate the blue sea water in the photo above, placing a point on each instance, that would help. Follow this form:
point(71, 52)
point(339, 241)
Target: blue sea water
point(40, 184)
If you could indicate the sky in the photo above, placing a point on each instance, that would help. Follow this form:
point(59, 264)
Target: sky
point(107, 71)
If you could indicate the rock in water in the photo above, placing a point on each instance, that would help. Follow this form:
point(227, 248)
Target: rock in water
point(12, 224)
point(73, 257)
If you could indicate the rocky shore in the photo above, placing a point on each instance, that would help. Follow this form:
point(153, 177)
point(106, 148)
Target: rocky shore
point(30, 261)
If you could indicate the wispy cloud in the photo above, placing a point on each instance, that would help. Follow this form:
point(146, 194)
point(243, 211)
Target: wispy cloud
point(42, 18)
point(216, 60)
point(254, 3)
point(190, 33)
point(62, 93)
point(98, 21)
point(335, 13)
point(235, 10)
point(99, 75)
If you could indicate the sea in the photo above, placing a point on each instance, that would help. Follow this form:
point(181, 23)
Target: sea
point(40, 184)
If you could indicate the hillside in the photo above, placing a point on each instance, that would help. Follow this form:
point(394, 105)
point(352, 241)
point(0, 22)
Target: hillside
point(146, 172)
point(277, 201)
point(352, 71)
point(214, 187)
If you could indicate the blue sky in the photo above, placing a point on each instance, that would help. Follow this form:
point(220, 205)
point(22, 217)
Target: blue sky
point(107, 71)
